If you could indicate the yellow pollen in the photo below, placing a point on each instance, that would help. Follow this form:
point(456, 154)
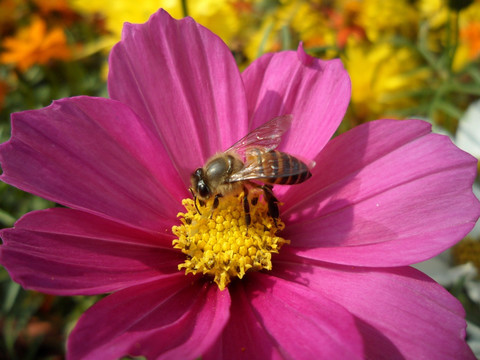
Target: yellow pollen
point(218, 243)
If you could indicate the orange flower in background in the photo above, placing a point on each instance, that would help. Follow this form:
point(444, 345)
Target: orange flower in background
point(35, 45)
point(471, 36)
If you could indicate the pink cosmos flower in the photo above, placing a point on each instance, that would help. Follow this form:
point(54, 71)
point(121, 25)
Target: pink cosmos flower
point(384, 195)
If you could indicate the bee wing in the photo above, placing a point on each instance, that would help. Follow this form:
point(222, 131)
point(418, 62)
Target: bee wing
point(265, 137)
point(268, 169)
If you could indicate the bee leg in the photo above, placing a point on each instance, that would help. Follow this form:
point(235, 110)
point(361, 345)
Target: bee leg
point(216, 202)
point(195, 201)
point(246, 208)
point(272, 202)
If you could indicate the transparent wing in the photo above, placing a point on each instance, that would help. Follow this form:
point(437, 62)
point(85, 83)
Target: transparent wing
point(266, 137)
point(269, 167)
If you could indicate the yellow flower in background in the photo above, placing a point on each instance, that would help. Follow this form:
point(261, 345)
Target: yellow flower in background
point(221, 16)
point(34, 45)
point(289, 23)
point(274, 30)
point(381, 75)
point(442, 23)
point(380, 18)
point(435, 12)
point(310, 23)
point(226, 18)
point(118, 12)
point(265, 39)
point(315, 23)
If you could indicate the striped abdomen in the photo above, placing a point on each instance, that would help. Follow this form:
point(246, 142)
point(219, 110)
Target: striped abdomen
point(276, 167)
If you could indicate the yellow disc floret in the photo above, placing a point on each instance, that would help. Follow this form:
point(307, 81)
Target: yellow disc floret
point(219, 243)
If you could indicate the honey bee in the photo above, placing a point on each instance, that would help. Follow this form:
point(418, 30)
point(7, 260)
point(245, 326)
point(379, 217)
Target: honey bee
point(252, 158)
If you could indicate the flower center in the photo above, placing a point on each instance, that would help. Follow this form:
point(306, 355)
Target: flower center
point(219, 243)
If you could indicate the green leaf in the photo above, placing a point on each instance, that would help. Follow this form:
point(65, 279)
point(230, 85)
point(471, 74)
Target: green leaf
point(450, 109)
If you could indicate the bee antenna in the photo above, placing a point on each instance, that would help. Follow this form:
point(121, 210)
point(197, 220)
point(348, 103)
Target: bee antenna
point(195, 200)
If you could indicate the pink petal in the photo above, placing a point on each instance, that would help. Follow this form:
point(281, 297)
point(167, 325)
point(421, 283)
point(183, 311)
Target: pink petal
point(314, 91)
point(272, 319)
point(70, 252)
point(168, 319)
point(93, 154)
point(182, 80)
point(400, 312)
point(386, 193)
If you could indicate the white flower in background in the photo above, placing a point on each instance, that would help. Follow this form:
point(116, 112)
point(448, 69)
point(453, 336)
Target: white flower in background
point(441, 267)
point(468, 132)
point(473, 333)
point(468, 139)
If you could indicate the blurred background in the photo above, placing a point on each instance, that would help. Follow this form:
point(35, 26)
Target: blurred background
point(406, 58)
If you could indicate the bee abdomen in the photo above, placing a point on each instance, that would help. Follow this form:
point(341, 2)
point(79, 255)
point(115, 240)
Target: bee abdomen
point(284, 169)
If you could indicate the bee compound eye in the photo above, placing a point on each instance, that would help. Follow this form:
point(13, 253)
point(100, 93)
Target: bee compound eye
point(203, 190)
point(198, 173)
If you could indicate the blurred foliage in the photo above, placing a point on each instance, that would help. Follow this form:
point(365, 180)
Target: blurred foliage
point(406, 58)
point(34, 325)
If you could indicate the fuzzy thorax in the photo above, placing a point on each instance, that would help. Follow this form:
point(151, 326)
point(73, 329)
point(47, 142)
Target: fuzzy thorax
point(218, 242)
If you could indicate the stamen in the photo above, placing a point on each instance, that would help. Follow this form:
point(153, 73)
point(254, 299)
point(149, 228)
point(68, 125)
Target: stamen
point(217, 243)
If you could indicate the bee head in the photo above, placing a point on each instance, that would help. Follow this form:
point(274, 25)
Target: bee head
point(199, 185)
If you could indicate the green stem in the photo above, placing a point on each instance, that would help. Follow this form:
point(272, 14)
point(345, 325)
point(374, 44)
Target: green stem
point(452, 39)
point(184, 8)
